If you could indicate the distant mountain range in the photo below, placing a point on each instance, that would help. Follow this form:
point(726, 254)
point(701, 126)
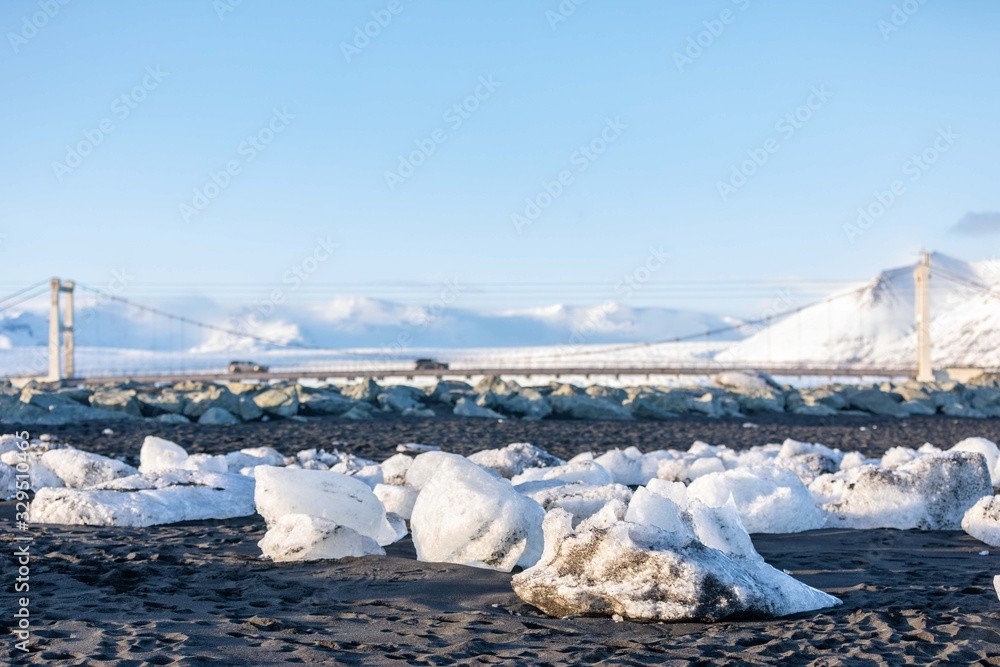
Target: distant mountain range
point(872, 323)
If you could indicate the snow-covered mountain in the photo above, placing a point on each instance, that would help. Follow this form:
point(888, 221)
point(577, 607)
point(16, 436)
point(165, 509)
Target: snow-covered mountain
point(357, 322)
point(875, 323)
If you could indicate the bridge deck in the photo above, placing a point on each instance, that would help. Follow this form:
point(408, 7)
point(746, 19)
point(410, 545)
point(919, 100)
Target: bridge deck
point(796, 371)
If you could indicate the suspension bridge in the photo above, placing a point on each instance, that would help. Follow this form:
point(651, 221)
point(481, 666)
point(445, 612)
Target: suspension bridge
point(170, 347)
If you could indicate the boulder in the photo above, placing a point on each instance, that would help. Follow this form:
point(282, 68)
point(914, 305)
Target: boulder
point(279, 401)
point(399, 399)
point(117, 400)
point(367, 391)
point(164, 402)
point(449, 391)
point(218, 416)
point(213, 396)
point(877, 402)
point(581, 406)
point(324, 403)
point(467, 408)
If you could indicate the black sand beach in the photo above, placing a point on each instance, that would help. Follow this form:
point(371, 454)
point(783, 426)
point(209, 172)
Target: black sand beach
point(198, 593)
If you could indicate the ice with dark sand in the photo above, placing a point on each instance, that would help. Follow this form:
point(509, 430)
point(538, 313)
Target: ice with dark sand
point(199, 593)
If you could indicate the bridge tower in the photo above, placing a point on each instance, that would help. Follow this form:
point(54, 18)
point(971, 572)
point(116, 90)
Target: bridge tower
point(61, 333)
point(922, 276)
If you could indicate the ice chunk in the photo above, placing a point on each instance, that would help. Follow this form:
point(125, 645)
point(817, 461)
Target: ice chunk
point(157, 455)
point(39, 474)
point(394, 468)
point(206, 463)
point(929, 493)
point(687, 467)
point(416, 448)
point(644, 573)
point(629, 466)
point(425, 467)
point(80, 470)
point(580, 499)
point(466, 515)
point(988, 449)
point(397, 499)
point(588, 472)
point(304, 537)
point(982, 521)
point(515, 458)
point(148, 500)
point(769, 499)
point(8, 476)
point(996, 585)
point(342, 499)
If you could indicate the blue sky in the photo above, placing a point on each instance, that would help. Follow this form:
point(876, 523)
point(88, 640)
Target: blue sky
point(672, 133)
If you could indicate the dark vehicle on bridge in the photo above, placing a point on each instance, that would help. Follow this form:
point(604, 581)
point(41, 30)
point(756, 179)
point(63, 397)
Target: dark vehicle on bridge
point(246, 367)
point(431, 365)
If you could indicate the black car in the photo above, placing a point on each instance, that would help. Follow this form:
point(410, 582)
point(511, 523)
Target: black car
point(246, 367)
point(431, 365)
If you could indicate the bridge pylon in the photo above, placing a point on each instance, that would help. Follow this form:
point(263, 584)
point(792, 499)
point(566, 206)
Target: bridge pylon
point(62, 348)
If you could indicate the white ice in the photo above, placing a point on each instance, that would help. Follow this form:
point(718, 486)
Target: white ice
point(342, 499)
point(298, 537)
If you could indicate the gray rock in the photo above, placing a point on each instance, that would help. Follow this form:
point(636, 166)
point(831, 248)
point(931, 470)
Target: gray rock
point(325, 403)
point(419, 413)
point(814, 410)
point(877, 402)
point(468, 408)
point(914, 407)
point(117, 400)
point(360, 412)
point(400, 398)
point(171, 418)
point(587, 407)
point(492, 383)
point(249, 410)
point(615, 394)
point(367, 390)
point(218, 416)
point(213, 396)
point(279, 402)
point(167, 401)
point(962, 410)
point(529, 404)
point(449, 391)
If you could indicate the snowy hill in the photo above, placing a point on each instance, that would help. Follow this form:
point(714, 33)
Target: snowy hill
point(875, 322)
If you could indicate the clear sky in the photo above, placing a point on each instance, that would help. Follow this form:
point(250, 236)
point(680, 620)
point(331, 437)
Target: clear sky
point(311, 117)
